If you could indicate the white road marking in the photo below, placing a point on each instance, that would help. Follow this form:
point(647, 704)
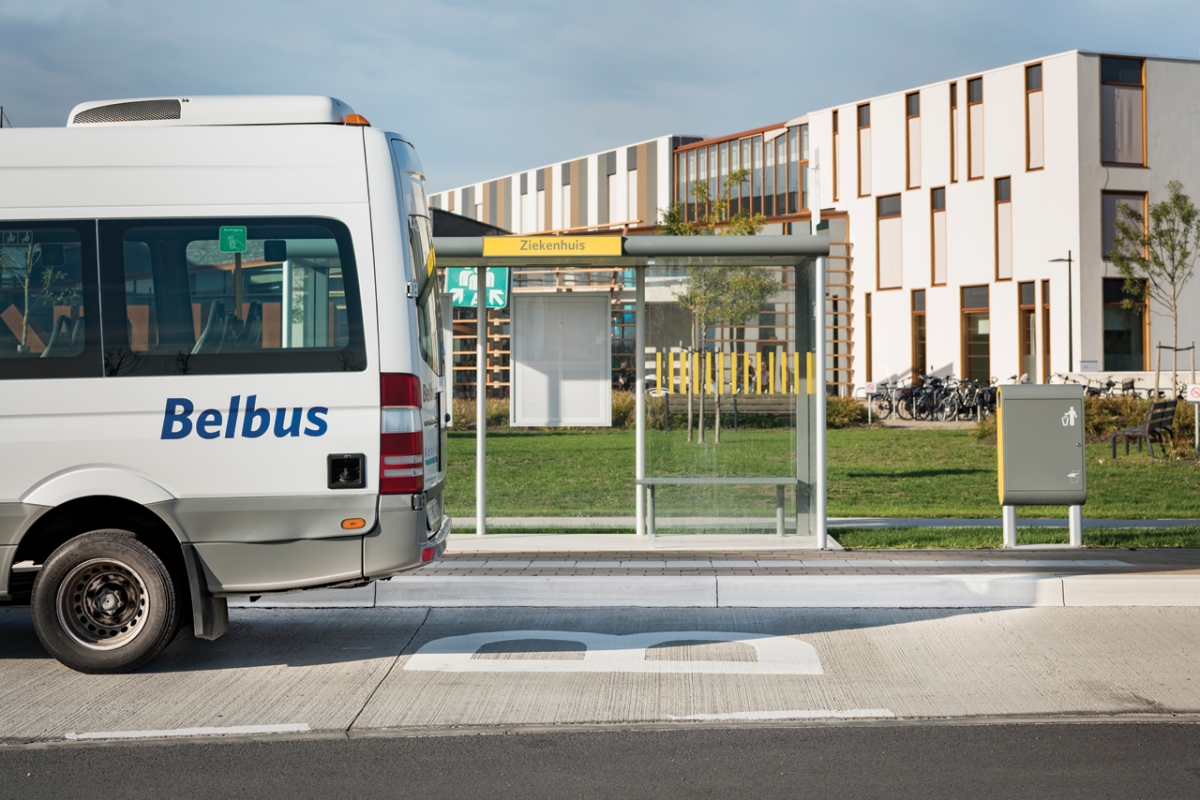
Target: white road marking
point(233, 730)
point(777, 655)
point(854, 713)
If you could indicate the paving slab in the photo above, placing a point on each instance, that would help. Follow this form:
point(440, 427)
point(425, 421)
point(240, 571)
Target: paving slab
point(275, 666)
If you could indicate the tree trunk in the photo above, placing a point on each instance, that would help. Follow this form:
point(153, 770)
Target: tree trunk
point(687, 379)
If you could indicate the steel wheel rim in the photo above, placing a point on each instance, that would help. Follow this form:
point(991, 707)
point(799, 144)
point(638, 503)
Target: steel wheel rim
point(103, 604)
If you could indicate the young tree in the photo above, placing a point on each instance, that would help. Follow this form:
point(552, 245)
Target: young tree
point(1157, 259)
point(25, 265)
point(718, 294)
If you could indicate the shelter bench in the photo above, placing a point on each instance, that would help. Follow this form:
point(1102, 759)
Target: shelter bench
point(779, 483)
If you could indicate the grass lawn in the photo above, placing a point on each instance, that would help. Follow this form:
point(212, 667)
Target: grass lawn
point(873, 472)
point(978, 538)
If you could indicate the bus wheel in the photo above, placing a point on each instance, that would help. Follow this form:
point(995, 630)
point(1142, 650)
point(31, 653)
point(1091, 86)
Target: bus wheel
point(104, 602)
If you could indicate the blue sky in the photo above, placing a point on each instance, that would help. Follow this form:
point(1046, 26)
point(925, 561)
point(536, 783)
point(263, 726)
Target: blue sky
point(484, 89)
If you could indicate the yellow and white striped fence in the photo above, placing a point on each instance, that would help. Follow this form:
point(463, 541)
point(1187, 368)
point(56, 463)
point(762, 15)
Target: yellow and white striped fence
point(771, 372)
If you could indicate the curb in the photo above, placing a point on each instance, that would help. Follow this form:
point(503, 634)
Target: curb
point(751, 591)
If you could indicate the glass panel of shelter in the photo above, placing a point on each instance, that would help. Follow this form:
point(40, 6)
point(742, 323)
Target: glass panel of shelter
point(749, 380)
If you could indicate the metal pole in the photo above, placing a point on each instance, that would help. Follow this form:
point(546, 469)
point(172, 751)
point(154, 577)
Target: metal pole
point(639, 347)
point(1009, 514)
point(481, 402)
point(819, 408)
point(1075, 525)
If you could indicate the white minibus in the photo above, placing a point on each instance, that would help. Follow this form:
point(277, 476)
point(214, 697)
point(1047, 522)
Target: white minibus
point(220, 366)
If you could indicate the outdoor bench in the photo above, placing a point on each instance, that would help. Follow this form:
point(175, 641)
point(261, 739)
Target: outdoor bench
point(1159, 419)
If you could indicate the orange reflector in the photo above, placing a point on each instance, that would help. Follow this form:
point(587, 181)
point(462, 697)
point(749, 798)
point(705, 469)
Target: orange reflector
point(427, 554)
point(356, 119)
point(354, 524)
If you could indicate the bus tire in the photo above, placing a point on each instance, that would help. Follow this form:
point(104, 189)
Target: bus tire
point(104, 602)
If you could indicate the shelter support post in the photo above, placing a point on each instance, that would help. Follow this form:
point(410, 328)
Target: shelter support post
point(639, 314)
point(819, 408)
point(779, 510)
point(481, 403)
point(1075, 525)
point(1010, 525)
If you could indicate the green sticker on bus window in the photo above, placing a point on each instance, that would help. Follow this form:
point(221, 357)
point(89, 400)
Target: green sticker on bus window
point(232, 238)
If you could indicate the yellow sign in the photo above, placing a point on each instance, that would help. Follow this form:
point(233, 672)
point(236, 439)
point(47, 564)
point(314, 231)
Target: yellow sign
point(551, 246)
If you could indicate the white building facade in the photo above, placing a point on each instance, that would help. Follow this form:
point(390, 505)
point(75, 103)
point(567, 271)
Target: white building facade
point(952, 207)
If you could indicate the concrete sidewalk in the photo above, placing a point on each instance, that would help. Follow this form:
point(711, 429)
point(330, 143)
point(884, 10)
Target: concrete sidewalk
point(736, 578)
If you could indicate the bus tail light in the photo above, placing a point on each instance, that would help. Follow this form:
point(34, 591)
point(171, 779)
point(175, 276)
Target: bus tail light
point(401, 435)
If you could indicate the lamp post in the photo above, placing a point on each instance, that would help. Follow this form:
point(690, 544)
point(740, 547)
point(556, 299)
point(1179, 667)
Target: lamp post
point(1070, 312)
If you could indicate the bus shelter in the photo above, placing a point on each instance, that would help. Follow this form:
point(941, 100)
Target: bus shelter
point(804, 379)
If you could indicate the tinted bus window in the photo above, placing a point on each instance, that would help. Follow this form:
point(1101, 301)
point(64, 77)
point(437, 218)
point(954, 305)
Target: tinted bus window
point(47, 291)
point(210, 297)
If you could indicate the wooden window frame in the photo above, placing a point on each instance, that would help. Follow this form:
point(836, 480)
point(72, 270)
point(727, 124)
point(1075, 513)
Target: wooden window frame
point(858, 128)
point(954, 126)
point(908, 184)
point(1022, 308)
point(867, 333)
point(1045, 328)
point(933, 281)
point(970, 149)
point(918, 379)
point(963, 310)
point(1028, 92)
point(900, 216)
point(1145, 217)
point(1145, 143)
point(1145, 318)
point(835, 155)
point(996, 203)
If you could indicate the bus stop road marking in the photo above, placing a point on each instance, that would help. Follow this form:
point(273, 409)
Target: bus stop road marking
point(776, 655)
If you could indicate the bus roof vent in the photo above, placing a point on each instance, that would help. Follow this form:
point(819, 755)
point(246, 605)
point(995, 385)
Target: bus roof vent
point(213, 110)
point(133, 111)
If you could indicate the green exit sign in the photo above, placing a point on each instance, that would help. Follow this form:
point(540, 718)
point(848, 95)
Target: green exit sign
point(461, 284)
point(232, 238)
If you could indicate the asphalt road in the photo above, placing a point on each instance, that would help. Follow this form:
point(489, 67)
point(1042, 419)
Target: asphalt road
point(893, 760)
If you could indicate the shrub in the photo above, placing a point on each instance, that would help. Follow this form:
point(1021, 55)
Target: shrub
point(845, 412)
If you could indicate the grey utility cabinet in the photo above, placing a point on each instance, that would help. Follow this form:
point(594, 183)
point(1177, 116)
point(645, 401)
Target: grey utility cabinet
point(1041, 445)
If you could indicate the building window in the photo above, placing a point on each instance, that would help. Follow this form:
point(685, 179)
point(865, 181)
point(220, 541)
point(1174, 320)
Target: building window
point(1045, 331)
point(1110, 212)
point(691, 181)
point(769, 178)
point(836, 151)
point(793, 184)
point(937, 244)
point(869, 340)
point(1004, 258)
point(1124, 328)
point(782, 167)
point(1123, 111)
point(804, 167)
point(1035, 156)
point(954, 133)
point(912, 116)
point(864, 149)
point(976, 335)
point(745, 189)
point(756, 176)
point(1027, 329)
point(919, 362)
point(889, 243)
point(974, 129)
